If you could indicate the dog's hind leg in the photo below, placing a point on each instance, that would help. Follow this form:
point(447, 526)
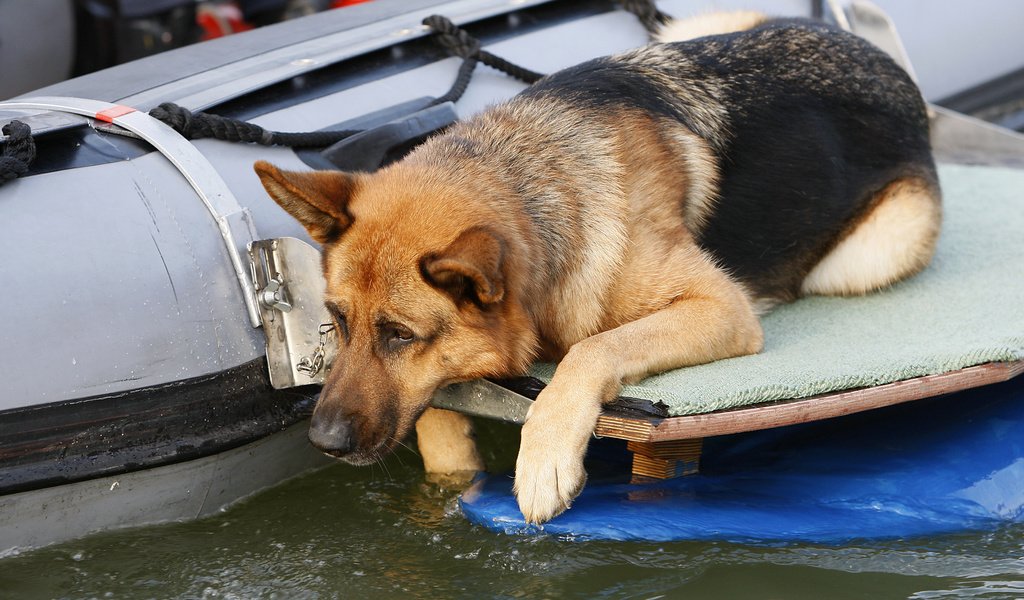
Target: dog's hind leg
point(895, 239)
point(446, 444)
point(708, 317)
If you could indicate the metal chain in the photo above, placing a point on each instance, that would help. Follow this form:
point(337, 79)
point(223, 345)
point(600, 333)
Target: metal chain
point(311, 365)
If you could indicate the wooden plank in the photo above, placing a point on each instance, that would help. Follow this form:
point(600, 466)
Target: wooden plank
point(665, 460)
point(634, 429)
point(686, 449)
point(815, 408)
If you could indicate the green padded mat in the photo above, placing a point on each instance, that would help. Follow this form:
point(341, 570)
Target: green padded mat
point(966, 309)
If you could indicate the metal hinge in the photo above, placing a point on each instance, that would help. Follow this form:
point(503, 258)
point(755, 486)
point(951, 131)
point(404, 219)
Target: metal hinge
point(301, 341)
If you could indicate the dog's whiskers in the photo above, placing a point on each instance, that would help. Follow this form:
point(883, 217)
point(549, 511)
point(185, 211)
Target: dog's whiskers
point(398, 456)
point(380, 461)
point(406, 446)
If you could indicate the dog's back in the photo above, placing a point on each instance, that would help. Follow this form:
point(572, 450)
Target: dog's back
point(806, 124)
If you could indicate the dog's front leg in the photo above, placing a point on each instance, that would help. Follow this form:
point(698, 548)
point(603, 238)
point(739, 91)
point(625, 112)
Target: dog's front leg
point(446, 444)
point(691, 330)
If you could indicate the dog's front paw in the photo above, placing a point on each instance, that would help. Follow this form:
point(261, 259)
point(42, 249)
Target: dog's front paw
point(549, 470)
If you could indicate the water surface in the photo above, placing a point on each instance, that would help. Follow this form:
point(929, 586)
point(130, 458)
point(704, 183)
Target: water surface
point(383, 532)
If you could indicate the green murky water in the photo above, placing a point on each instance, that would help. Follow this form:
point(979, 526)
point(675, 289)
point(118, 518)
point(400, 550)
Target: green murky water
point(382, 532)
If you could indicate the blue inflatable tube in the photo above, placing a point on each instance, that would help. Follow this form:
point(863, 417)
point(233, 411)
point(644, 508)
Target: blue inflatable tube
point(928, 467)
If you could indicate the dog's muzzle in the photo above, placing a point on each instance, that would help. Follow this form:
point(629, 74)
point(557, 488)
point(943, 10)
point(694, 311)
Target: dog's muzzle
point(332, 436)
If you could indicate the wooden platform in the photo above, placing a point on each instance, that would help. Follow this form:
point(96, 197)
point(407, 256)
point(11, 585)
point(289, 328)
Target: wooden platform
point(805, 410)
point(665, 448)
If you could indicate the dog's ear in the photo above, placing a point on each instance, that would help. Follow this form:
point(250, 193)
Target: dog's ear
point(470, 268)
point(318, 199)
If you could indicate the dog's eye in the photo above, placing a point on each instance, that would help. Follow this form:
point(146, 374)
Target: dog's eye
point(340, 319)
point(401, 333)
point(396, 336)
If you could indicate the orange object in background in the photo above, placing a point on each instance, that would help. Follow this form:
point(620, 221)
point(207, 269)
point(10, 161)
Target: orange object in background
point(218, 20)
point(344, 3)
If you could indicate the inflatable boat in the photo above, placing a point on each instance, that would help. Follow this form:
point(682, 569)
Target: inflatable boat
point(164, 339)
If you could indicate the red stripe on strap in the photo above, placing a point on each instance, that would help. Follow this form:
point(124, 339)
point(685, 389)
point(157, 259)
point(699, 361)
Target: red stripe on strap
point(112, 113)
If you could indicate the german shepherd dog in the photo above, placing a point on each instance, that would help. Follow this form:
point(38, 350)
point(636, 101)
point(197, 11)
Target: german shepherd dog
point(629, 215)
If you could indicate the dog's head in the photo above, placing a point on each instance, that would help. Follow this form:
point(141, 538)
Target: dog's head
point(418, 283)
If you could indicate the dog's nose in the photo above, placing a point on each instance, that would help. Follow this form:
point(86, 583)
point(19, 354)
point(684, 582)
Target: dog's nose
point(331, 435)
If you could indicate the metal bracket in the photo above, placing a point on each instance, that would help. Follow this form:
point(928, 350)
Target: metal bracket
point(834, 14)
point(302, 343)
point(870, 22)
point(290, 286)
point(234, 221)
point(482, 398)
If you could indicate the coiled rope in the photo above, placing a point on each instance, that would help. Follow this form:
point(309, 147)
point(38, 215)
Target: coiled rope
point(18, 153)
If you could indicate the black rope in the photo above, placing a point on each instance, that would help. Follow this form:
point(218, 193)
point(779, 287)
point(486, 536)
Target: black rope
point(650, 17)
point(18, 152)
point(458, 42)
point(455, 40)
point(204, 125)
point(461, 81)
point(20, 149)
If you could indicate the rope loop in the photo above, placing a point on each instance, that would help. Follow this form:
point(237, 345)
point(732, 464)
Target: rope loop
point(193, 126)
point(647, 12)
point(499, 63)
point(451, 37)
point(201, 125)
point(177, 117)
point(18, 153)
point(448, 35)
point(20, 150)
point(460, 43)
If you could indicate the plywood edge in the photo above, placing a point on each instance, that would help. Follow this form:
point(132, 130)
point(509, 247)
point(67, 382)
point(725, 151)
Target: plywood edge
point(633, 429)
point(815, 408)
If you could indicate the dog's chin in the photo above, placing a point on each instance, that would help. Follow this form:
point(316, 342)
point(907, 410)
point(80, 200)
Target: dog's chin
point(364, 456)
point(359, 459)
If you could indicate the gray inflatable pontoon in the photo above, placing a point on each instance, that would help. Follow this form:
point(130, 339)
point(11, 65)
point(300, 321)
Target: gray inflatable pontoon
point(160, 342)
point(135, 348)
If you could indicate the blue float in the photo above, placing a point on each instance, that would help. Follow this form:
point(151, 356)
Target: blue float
point(934, 466)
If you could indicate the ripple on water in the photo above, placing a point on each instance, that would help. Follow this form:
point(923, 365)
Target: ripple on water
point(350, 533)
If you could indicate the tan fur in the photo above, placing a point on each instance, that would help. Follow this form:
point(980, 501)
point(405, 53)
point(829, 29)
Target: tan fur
point(539, 229)
point(711, 23)
point(702, 177)
point(629, 296)
point(446, 443)
point(675, 308)
point(711, 320)
point(894, 240)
